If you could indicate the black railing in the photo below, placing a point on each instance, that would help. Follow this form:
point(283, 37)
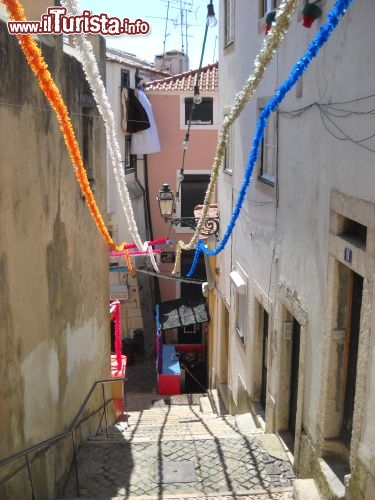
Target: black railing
point(70, 432)
point(210, 227)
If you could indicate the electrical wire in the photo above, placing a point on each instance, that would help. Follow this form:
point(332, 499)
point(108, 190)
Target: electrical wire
point(172, 277)
point(270, 44)
point(338, 11)
point(327, 118)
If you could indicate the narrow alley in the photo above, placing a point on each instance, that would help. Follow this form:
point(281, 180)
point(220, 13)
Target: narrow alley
point(187, 250)
point(180, 446)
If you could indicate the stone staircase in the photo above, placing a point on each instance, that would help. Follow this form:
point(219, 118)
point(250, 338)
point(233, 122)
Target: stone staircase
point(178, 447)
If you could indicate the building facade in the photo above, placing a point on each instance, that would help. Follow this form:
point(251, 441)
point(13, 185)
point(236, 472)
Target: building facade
point(54, 301)
point(136, 292)
point(293, 322)
point(187, 173)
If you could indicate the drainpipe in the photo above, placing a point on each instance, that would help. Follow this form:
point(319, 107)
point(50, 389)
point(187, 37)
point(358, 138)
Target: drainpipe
point(146, 203)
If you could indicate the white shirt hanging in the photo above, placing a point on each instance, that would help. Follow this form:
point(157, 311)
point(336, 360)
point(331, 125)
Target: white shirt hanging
point(145, 141)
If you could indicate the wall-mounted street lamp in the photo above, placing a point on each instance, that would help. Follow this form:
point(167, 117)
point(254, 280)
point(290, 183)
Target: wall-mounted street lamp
point(166, 201)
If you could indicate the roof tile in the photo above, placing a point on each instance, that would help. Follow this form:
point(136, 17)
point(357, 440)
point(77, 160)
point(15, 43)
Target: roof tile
point(184, 82)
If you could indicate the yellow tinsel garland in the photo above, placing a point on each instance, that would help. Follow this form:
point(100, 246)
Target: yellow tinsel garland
point(283, 18)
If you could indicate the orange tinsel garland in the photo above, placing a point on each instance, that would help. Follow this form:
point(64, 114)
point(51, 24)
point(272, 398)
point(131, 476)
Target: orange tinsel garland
point(39, 67)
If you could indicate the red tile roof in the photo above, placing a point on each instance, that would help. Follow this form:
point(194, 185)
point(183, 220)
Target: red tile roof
point(184, 82)
point(133, 61)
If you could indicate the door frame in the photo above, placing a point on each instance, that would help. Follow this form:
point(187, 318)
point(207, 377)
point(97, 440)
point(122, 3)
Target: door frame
point(289, 307)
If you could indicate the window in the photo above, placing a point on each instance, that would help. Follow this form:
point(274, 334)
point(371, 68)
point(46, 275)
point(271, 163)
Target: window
point(266, 6)
point(353, 232)
point(228, 160)
point(240, 302)
point(130, 161)
point(240, 305)
point(193, 190)
point(87, 139)
point(203, 113)
point(229, 22)
point(125, 79)
point(268, 151)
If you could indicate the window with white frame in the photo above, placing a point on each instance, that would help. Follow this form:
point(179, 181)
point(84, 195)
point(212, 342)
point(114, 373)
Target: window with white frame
point(228, 160)
point(240, 305)
point(130, 161)
point(125, 78)
point(192, 192)
point(229, 22)
point(240, 302)
point(203, 113)
point(268, 151)
point(266, 6)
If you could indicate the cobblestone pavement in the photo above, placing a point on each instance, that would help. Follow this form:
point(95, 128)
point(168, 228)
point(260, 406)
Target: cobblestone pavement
point(168, 448)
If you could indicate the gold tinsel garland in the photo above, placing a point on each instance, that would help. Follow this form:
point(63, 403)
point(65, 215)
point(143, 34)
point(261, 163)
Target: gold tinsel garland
point(276, 34)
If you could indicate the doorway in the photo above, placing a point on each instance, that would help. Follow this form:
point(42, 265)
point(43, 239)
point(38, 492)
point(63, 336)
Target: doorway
point(351, 353)
point(188, 290)
point(294, 373)
point(263, 390)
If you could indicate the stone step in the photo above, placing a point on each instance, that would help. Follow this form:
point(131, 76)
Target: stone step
point(179, 423)
point(246, 424)
point(205, 405)
point(277, 494)
point(305, 489)
point(216, 402)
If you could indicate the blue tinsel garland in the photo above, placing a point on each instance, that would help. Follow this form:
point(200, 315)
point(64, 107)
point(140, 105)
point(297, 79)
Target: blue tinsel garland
point(323, 35)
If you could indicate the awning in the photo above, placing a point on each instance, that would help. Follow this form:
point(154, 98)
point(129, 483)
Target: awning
point(179, 312)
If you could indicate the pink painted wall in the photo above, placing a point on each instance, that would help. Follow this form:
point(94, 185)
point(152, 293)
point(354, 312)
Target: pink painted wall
point(162, 166)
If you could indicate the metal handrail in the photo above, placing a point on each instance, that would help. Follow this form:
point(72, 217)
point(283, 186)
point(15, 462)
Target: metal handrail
point(49, 441)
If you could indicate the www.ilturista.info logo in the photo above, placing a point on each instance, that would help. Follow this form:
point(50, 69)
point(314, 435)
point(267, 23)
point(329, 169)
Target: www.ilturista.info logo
point(56, 22)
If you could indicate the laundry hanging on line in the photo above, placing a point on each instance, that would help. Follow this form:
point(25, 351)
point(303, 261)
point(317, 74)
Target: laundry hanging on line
point(136, 106)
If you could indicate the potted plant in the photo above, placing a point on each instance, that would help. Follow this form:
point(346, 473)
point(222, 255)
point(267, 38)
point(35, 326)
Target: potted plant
point(310, 12)
point(270, 18)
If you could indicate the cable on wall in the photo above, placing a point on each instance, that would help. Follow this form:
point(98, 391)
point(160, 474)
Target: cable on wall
point(270, 44)
point(338, 11)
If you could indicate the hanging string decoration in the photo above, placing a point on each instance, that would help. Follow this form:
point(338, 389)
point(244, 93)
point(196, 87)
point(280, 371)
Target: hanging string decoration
point(124, 252)
point(270, 44)
point(131, 254)
point(90, 67)
point(114, 311)
point(338, 11)
point(39, 67)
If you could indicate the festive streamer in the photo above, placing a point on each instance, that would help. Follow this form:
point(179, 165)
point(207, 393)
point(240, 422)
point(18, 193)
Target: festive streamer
point(339, 10)
point(276, 34)
point(160, 241)
point(127, 260)
point(131, 254)
point(152, 258)
point(90, 67)
point(39, 67)
point(114, 311)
